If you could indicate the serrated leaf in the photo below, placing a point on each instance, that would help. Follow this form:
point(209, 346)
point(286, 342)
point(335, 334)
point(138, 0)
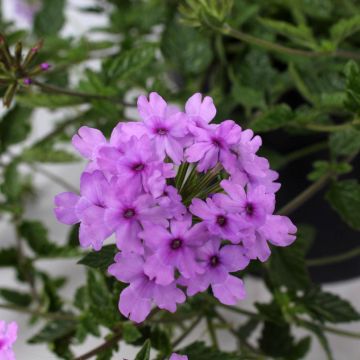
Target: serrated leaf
point(352, 72)
point(14, 127)
point(272, 119)
point(186, 48)
point(131, 61)
point(48, 155)
point(345, 142)
point(287, 266)
point(144, 353)
point(15, 297)
point(50, 19)
point(328, 307)
point(130, 332)
point(344, 198)
point(53, 331)
point(199, 351)
point(49, 101)
point(345, 28)
point(100, 259)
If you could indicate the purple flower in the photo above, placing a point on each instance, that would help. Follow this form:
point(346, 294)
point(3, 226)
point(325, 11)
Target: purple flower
point(173, 249)
point(8, 335)
point(136, 300)
point(199, 111)
point(213, 144)
point(218, 263)
point(45, 66)
point(175, 356)
point(218, 220)
point(128, 210)
point(138, 163)
point(166, 125)
point(27, 9)
point(171, 202)
point(278, 230)
point(89, 209)
point(252, 205)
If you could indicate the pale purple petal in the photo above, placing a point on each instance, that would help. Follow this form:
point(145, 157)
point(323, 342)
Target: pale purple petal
point(230, 292)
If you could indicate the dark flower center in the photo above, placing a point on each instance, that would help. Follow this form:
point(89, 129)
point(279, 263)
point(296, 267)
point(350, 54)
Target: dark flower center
point(176, 244)
point(129, 213)
point(249, 209)
point(216, 142)
point(221, 220)
point(161, 131)
point(214, 261)
point(138, 167)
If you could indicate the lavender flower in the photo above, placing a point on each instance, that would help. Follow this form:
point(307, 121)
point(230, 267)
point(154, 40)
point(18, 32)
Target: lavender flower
point(8, 335)
point(175, 356)
point(172, 225)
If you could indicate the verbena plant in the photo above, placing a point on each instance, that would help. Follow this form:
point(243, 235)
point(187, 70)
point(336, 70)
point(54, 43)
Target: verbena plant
point(281, 67)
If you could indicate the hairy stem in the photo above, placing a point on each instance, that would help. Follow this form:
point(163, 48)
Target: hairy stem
point(329, 260)
point(59, 90)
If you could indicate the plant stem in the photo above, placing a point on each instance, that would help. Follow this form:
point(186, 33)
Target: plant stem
point(212, 332)
point(329, 260)
point(53, 316)
point(187, 332)
point(341, 332)
point(328, 128)
point(59, 90)
point(237, 310)
point(250, 39)
point(305, 195)
point(112, 341)
point(298, 154)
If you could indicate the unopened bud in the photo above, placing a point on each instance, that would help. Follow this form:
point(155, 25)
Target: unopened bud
point(27, 81)
point(45, 66)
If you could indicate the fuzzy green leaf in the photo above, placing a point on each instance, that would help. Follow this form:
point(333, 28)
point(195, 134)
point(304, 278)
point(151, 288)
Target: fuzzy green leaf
point(100, 259)
point(345, 28)
point(272, 119)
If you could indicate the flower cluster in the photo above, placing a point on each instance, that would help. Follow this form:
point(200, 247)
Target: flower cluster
point(8, 335)
point(189, 201)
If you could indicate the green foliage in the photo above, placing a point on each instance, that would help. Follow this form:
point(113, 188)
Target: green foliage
point(15, 297)
point(100, 259)
point(344, 197)
point(345, 142)
point(50, 19)
point(144, 353)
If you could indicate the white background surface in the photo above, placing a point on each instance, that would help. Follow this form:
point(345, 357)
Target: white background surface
point(344, 348)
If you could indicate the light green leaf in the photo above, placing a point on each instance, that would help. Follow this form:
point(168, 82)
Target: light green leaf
point(44, 154)
point(50, 101)
point(50, 19)
point(345, 28)
point(345, 142)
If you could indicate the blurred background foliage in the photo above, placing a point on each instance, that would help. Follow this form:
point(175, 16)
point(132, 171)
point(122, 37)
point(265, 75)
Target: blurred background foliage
point(288, 69)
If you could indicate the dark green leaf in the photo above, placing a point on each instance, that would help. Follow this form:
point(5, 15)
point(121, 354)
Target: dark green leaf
point(187, 49)
point(53, 330)
point(50, 19)
point(15, 297)
point(325, 306)
point(272, 119)
point(130, 332)
point(345, 142)
point(8, 257)
point(36, 100)
point(45, 154)
point(131, 61)
point(160, 340)
point(344, 197)
point(14, 127)
point(100, 259)
point(144, 353)
point(352, 72)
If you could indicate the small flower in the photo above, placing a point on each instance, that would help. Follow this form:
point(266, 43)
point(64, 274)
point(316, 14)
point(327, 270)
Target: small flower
point(45, 66)
point(8, 335)
point(136, 300)
point(218, 263)
point(173, 249)
point(212, 145)
point(200, 111)
point(175, 356)
point(27, 81)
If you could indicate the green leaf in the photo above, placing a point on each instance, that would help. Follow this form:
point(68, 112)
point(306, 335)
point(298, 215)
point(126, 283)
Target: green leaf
point(199, 351)
point(273, 119)
point(131, 61)
point(160, 340)
point(328, 307)
point(130, 332)
point(37, 237)
point(345, 142)
point(246, 329)
point(344, 198)
point(352, 72)
point(15, 297)
point(50, 19)
point(49, 101)
point(345, 28)
point(287, 266)
point(186, 48)
point(323, 167)
point(8, 257)
point(14, 127)
point(100, 259)
point(45, 154)
point(53, 331)
point(144, 353)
